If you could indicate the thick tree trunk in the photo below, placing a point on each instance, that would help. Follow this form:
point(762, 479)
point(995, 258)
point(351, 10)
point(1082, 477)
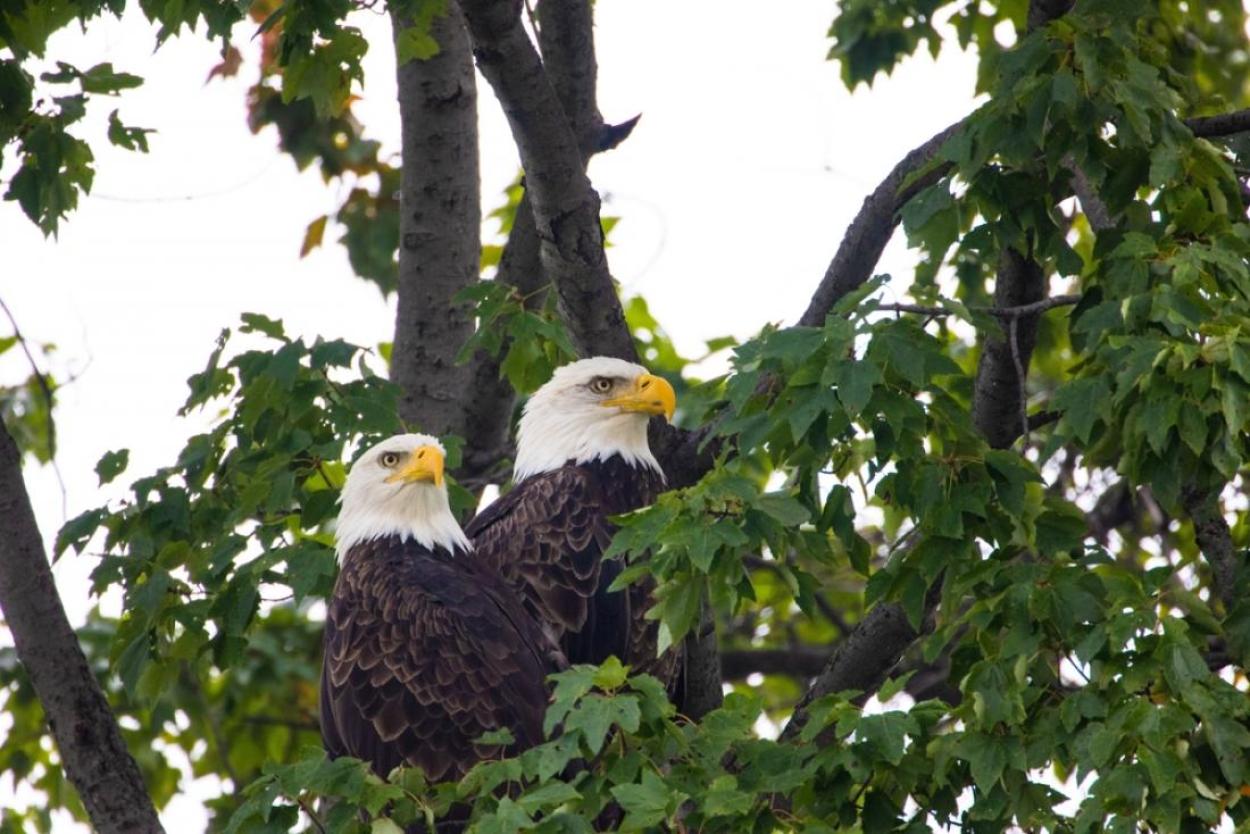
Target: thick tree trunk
point(440, 249)
point(87, 736)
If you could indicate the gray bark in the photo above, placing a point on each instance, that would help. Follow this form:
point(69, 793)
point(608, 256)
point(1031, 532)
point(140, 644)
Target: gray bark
point(564, 205)
point(1215, 540)
point(88, 739)
point(998, 395)
point(874, 225)
point(798, 662)
point(440, 229)
point(566, 38)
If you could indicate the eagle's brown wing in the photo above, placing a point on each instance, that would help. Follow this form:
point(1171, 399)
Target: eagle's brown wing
point(423, 654)
point(546, 538)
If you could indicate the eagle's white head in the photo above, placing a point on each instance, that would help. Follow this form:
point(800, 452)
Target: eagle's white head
point(396, 489)
point(589, 410)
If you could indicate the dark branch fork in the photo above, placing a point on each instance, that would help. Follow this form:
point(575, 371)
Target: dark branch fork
point(564, 205)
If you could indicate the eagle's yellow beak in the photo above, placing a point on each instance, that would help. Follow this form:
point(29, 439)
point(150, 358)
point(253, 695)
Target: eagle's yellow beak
point(424, 464)
point(651, 395)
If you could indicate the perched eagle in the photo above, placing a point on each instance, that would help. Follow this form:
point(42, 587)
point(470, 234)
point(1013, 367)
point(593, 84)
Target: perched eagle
point(425, 649)
point(582, 456)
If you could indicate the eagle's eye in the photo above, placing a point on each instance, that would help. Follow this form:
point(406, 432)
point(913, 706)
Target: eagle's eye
point(389, 459)
point(601, 385)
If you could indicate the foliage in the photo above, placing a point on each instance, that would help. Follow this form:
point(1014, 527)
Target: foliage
point(853, 472)
point(26, 408)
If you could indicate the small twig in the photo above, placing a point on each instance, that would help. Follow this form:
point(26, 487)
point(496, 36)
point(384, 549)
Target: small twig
point(316, 821)
point(291, 724)
point(1010, 313)
point(1014, 337)
point(1042, 419)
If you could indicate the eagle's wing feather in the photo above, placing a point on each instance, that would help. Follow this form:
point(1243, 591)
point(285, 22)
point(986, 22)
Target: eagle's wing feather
point(424, 654)
point(547, 537)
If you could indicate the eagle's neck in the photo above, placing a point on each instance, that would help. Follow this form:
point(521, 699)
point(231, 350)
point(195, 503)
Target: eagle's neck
point(419, 513)
point(548, 438)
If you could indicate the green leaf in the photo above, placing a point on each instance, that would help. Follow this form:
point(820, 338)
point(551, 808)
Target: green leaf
point(112, 465)
point(647, 803)
point(257, 323)
point(102, 78)
point(415, 44)
point(724, 799)
point(785, 508)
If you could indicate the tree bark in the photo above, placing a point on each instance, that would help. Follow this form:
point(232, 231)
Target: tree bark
point(998, 395)
point(702, 666)
point(1215, 540)
point(566, 38)
point(1224, 124)
point(87, 736)
point(799, 662)
point(874, 225)
point(861, 661)
point(440, 250)
point(565, 206)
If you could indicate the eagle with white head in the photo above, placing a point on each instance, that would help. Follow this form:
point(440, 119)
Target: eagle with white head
point(425, 650)
point(582, 457)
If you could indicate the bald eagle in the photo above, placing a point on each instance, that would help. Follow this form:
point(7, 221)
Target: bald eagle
point(425, 649)
point(582, 456)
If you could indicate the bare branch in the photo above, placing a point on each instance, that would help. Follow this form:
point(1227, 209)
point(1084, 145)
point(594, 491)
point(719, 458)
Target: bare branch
point(86, 732)
point(566, 37)
point(567, 40)
point(565, 206)
point(1031, 309)
point(872, 228)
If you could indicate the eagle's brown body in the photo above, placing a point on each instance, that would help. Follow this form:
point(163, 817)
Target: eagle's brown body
point(547, 537)
point(424, 652)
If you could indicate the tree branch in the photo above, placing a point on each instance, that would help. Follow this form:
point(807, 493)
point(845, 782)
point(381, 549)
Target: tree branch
point(565, 206)
point(1030, 309)
point(799, 662)
point(701, 667)
point(1225, 124)
point(862, 661)
point(999, 395)
point(1215, 540)
point(566, 38)
point(86, 732)
point(440, 249)
point(872, 228)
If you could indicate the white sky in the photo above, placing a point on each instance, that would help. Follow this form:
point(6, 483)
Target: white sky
point(734, 190)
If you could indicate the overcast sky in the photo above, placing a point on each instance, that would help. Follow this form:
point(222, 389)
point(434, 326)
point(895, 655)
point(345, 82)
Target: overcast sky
point(734, 190)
